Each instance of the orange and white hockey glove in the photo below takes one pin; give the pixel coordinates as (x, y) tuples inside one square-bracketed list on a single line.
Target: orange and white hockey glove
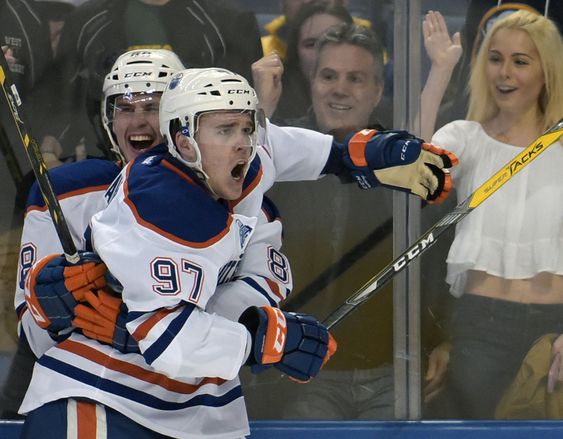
[(54, 287), (297, 344)]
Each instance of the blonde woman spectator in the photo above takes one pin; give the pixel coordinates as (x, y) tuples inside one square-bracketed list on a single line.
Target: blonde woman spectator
[(506, 262)]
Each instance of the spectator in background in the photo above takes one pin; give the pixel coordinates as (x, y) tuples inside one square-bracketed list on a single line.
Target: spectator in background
[(279, 28), (505, 266), (29, 37), (54, 13), (312, 20), (346, 79), (25, 42), (346, 86), (480, 16), (202, 32)]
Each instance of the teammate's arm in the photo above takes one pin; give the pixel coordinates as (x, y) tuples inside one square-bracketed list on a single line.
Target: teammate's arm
[(395, 159)]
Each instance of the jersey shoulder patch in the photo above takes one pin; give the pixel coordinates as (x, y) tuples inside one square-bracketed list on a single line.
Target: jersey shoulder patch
[(165, 197), (76, 178)]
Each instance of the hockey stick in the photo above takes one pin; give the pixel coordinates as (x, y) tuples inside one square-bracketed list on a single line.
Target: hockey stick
[(460, 211), (329, 275), (18, 132)]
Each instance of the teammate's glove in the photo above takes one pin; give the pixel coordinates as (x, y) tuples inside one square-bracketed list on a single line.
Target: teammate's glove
[(398, 160), (103, 318), (53, 288), (296, 344)]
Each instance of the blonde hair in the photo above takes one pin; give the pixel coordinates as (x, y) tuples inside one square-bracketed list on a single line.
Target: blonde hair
[(545, 36)]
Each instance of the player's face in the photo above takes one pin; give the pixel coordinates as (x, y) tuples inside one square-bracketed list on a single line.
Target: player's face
[(224, 139), (344, 91), (311, 30), (135, 123), (514, 71)]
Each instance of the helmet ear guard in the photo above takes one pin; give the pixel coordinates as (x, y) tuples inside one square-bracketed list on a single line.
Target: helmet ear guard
[(136, 71), (194, 92)]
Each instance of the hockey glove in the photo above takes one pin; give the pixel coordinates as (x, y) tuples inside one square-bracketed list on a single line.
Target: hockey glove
[(398, 160), (103, 318), (53, 288), (296, 344)]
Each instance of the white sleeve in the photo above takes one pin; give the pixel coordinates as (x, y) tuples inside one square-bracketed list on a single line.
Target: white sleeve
[(187, 342), (38, 339), (298, 154), (39, 239)]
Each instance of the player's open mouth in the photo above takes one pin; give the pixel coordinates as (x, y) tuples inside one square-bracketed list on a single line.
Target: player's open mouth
[(238, 171), (141, 141)]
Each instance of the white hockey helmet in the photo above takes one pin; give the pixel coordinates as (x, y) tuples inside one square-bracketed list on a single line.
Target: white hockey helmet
[(193, 92), (136, 71)]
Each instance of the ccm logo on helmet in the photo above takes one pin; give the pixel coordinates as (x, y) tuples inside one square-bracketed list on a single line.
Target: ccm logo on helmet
[(137, 74), (238, 91)]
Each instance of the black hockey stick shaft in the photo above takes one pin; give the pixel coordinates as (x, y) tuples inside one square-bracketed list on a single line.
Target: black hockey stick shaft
[(18, 133), (483, 192)]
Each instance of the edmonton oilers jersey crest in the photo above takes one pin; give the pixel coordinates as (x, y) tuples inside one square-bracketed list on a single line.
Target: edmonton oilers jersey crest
[(244, 232)]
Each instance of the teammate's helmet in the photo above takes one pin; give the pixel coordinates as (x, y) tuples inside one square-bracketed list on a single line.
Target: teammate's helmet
[(136, 71), (193, 92)]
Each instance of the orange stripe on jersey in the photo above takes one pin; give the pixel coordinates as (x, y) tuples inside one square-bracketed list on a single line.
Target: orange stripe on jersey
[(275, 288), (144, 328), (166, 234), (135, 371), (248, 189), (357, 146), (176, 171), (86, 420), (100, 188)]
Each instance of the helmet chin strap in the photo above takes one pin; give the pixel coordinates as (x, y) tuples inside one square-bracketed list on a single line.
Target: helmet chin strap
[(197, 166)]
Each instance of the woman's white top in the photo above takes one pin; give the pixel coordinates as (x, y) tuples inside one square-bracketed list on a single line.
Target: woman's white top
[(517, 232)]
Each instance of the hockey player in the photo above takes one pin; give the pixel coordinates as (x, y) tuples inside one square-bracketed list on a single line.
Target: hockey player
[(131, 96), (136, 81), (179, 257)]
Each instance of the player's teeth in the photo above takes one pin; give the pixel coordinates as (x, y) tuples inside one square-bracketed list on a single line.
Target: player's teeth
[(139, 138)]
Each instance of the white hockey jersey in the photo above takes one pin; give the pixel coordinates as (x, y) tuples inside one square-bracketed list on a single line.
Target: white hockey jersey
[(185, 384), (80, 189)]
